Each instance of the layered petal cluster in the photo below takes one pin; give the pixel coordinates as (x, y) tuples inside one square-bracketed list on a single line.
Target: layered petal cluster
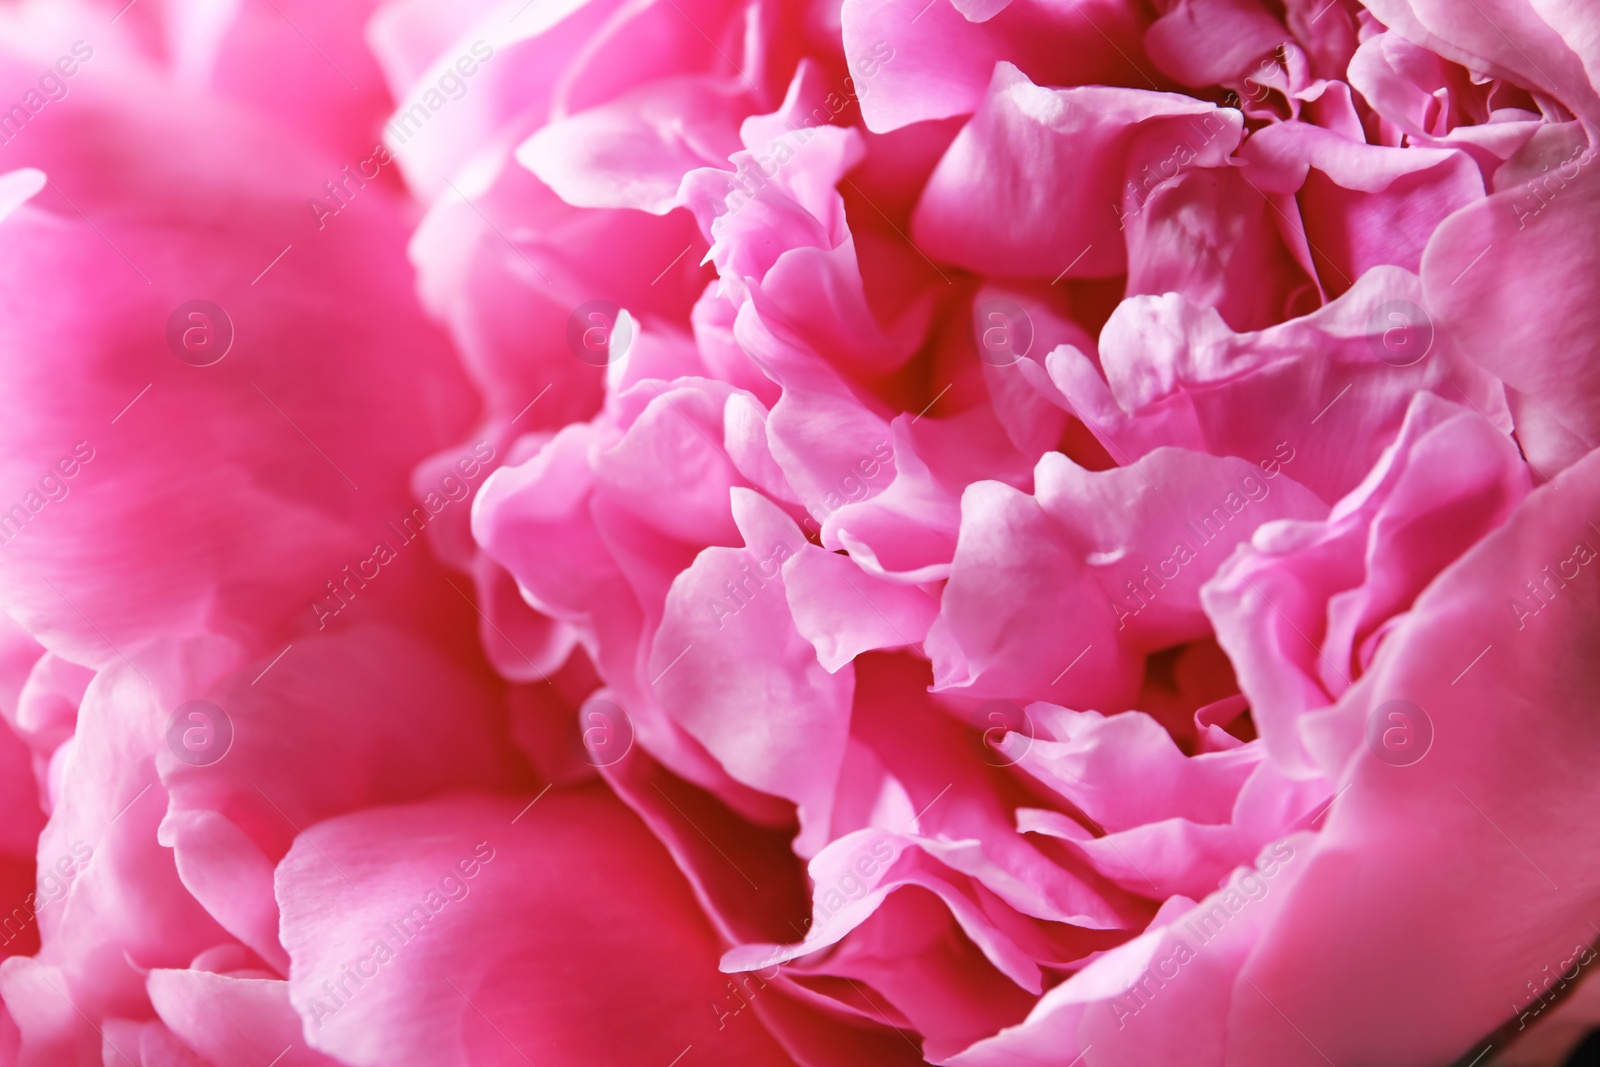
[(1044, 518), (798, 532)]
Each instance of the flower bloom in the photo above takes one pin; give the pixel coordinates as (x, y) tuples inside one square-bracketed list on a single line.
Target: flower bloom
[(988, 533)]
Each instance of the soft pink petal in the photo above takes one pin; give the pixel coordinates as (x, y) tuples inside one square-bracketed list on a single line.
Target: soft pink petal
[(1464, 838), (728, 643), (1527, 242), (1062, 157)]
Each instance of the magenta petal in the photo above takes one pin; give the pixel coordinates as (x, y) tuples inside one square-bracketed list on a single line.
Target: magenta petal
[(493, 933)]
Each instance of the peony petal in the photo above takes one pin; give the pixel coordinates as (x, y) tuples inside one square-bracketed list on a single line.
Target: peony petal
[(728, 643), (1053, 147), (1399, 869), (1485, 263), (495, 933), (634, 151)]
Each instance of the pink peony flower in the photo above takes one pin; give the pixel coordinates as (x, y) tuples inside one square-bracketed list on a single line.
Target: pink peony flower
[(988, 533)]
